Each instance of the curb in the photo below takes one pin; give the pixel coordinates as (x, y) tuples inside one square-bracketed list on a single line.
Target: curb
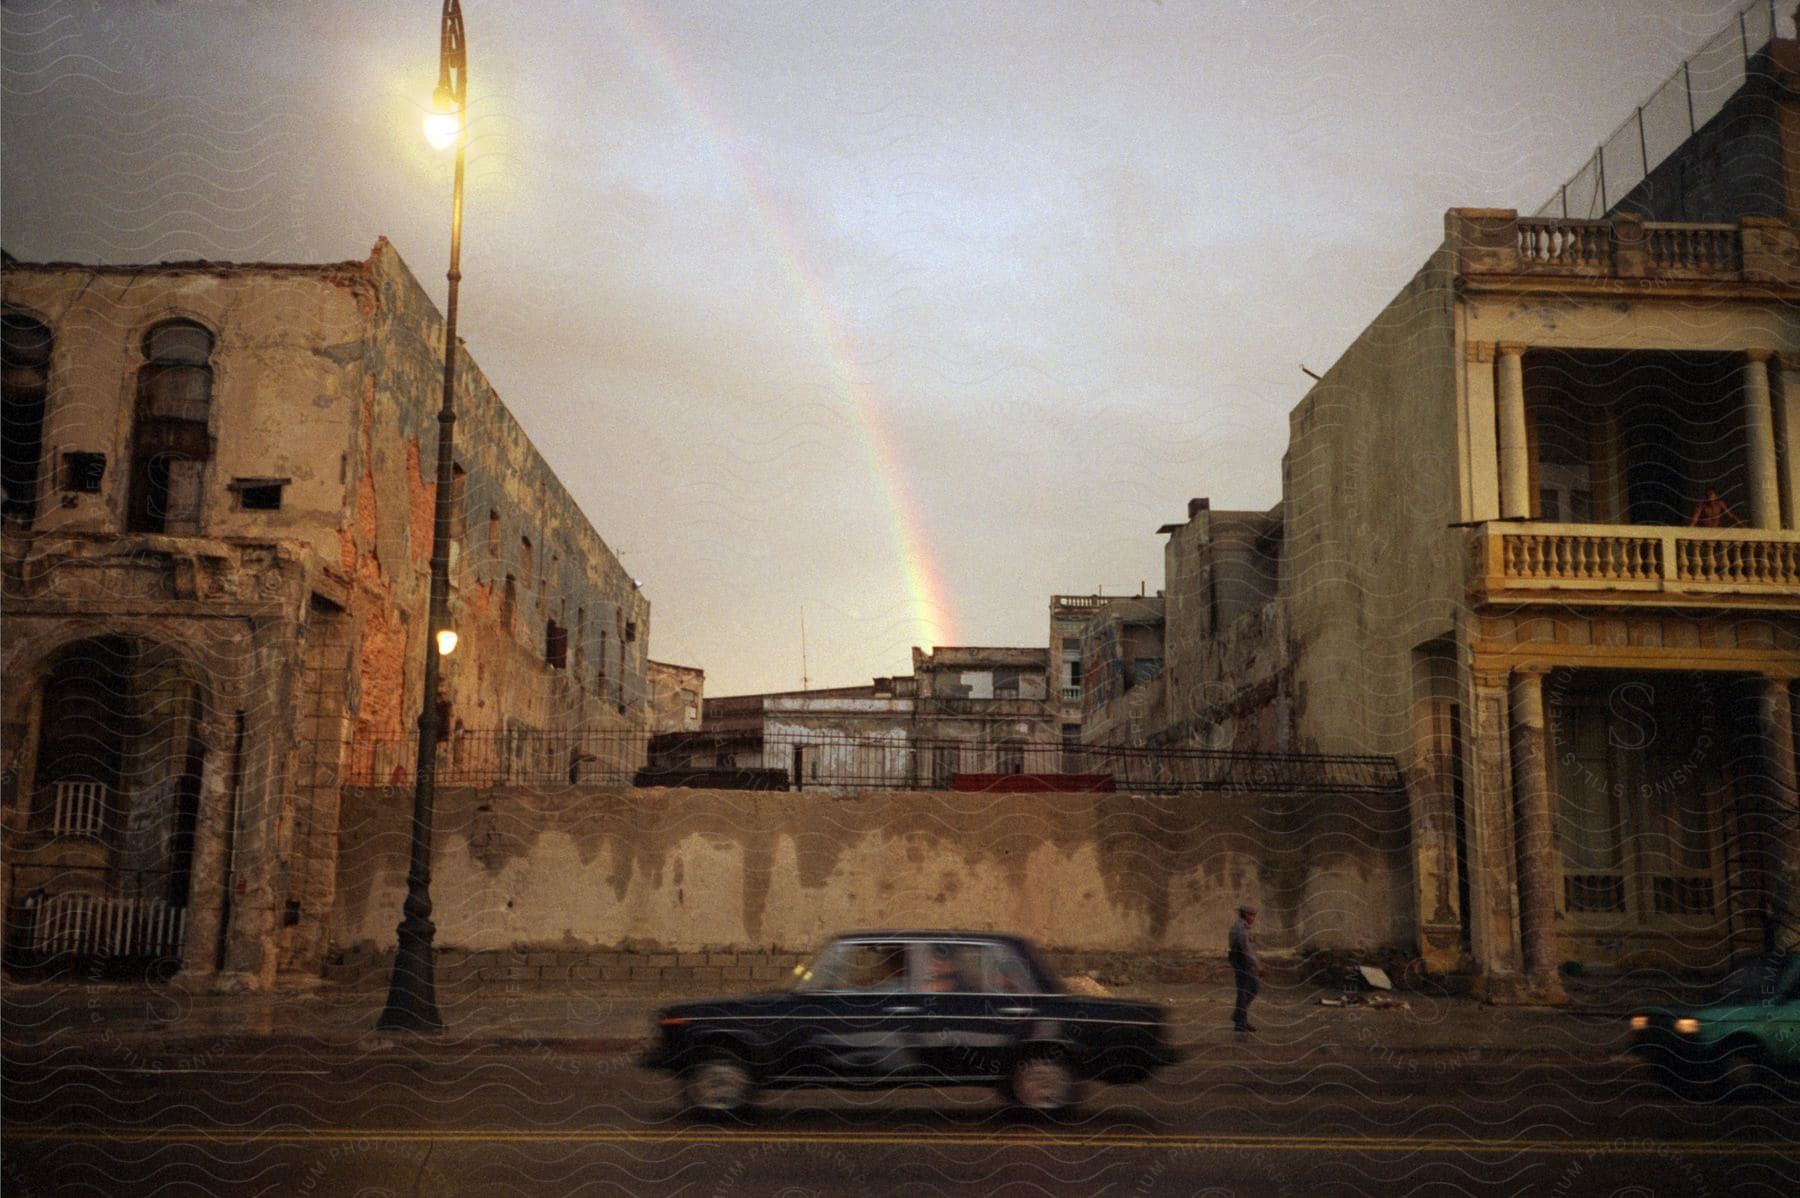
[(387, 1045)]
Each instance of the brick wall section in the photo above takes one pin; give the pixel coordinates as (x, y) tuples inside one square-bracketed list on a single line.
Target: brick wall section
[(705, 972)]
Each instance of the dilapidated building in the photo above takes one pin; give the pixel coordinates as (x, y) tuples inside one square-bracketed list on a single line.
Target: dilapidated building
[(1539, 541), (219, 487), (964, 711), (1123, 698), (676, 695)]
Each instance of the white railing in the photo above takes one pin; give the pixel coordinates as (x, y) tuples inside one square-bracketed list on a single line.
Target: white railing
[(1575, 557), (82, 924), (1071, 694), (78, 809), (1738, 560), (1555, 242)]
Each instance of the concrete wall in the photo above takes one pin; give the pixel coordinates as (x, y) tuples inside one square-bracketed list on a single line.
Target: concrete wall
[(677, 694), (1225, 649), (517, 521), (1369, 490), (689, 871)]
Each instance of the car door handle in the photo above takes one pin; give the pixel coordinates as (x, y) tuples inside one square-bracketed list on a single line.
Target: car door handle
[(902, 1010), (1015, 1010)]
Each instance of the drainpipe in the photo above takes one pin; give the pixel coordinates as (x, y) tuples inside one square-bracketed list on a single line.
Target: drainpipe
[(232, 806)]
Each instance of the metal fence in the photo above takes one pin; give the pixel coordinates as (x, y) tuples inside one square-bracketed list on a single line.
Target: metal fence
[(91, 918), (1689, 98), (812, 760)]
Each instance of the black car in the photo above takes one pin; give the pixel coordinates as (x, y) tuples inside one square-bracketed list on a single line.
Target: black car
[(881, 1009)]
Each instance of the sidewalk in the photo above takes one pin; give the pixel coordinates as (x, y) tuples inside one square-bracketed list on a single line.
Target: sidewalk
[(162, 1022)]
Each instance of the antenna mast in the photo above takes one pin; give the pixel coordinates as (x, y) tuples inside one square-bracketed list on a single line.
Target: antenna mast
[(804, 684)]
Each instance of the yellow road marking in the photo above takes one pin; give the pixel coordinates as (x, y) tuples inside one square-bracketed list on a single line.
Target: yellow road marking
[(1046, 1140)]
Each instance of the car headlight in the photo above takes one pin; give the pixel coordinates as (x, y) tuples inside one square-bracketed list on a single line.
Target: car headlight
[(1687, 1027), (1639, 1022)]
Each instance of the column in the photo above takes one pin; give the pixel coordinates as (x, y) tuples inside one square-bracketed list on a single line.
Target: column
[(1515, 448), (1759, 434), (1775, 724), (1493, 930), (1481, 461), (1538, 867), (1787, 437)]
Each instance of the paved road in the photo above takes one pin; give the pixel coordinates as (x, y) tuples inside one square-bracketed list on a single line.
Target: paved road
[(276, 1122)]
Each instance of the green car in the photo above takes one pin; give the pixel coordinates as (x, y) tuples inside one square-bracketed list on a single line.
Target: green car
[(1749, 1037)]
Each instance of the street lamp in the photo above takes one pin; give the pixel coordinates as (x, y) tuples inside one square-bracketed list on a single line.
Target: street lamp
[(412, 994)]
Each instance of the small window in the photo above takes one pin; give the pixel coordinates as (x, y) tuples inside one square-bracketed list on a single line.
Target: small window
[(556, 645), (459, 509), (630, 631), (493, 533), (259, 494), (83, 472)]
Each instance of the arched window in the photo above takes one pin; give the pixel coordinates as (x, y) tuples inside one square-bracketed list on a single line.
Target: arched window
[(170, 442), (24, 385)]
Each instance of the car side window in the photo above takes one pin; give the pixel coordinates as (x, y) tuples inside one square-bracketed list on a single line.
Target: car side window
[(951, 968), (1003, 971), (875, 967)]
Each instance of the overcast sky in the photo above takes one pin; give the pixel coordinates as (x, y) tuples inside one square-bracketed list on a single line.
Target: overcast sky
[(907, 315)]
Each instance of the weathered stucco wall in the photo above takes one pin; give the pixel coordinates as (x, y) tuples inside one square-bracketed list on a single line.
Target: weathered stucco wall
[(686, 870), (526, 556), (1369, 487)]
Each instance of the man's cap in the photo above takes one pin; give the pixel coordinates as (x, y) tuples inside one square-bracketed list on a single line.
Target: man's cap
[(1247, 909)]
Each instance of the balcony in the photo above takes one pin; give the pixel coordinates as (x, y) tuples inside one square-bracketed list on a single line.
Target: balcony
[(1500, 242), (1634, 564)]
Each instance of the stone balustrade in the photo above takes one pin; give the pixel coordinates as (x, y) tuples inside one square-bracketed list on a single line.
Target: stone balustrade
[(1500, 242), (1607, 562)]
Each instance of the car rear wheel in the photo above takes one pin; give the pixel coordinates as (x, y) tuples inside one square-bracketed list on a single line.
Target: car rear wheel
[(718, 1084), (1043, 1084)]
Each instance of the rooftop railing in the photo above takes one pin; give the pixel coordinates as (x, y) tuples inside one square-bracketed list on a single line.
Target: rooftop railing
[(1501, 242)]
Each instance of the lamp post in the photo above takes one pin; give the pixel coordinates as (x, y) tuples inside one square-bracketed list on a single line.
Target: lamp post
[(412, 994)]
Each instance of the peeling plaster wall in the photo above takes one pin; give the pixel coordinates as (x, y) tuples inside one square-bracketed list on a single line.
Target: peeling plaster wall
[(689, 870), (328, 376), (500, 675)]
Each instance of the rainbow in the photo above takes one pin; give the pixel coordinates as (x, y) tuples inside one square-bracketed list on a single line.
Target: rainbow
[(661, 60)]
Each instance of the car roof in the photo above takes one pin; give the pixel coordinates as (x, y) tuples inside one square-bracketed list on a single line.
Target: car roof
[(911, 934)]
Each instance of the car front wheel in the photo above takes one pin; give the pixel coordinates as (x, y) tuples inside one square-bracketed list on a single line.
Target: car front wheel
[(719, 1084), (1043, 1084)]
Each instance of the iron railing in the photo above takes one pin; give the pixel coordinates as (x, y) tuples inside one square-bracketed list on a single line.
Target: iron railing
[(1690, 97), (816, 760)]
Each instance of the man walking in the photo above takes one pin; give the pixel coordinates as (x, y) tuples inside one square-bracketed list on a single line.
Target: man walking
[(1246, 966)]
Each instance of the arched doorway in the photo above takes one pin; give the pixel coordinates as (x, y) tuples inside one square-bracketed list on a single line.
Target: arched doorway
[(99, 878)]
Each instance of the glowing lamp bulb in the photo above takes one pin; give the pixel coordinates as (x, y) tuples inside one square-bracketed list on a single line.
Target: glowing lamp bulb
[(446, 641), (443, 122)]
